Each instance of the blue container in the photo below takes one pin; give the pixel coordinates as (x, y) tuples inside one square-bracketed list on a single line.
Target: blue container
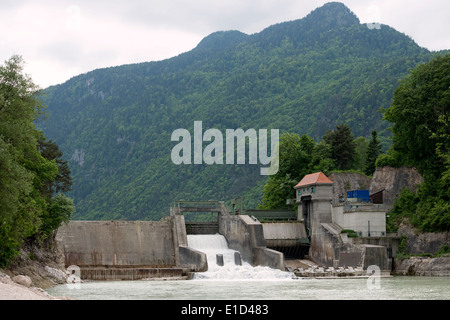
[(361, 195)]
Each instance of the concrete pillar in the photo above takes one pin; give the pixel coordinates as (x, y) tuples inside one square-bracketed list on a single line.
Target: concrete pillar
[(237, 259), (219, 260)]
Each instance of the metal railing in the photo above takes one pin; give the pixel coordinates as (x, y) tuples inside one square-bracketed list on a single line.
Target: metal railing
[(360, 206), (368, 234), (271, 214)]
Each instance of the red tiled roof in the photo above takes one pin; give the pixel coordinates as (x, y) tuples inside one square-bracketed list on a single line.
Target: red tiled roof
[(313, 178)]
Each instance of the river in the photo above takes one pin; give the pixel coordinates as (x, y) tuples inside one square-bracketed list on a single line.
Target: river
[(245, 282), (398, 287)]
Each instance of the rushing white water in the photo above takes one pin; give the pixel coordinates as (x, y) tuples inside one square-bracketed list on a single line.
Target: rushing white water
[(215, 244)]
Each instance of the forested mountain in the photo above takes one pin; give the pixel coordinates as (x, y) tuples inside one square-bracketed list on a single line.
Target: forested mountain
[(114, 125)]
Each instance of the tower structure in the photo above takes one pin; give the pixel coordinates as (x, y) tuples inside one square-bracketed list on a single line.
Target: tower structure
[(314, 195)]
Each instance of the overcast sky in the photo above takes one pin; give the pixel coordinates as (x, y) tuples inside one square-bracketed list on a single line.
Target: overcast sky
[(59, 39)]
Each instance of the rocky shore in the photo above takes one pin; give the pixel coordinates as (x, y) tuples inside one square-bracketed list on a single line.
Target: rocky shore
[(38, 267), (423, 266), (19, 288), (418, 244)]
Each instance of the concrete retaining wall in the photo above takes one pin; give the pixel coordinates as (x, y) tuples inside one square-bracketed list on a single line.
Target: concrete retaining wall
[(267, 257), (193, 259), (333, 249), (284, 233), (367, 218), (188, 258), (118, 243), (375, 255), (325, 245), (246, 236)]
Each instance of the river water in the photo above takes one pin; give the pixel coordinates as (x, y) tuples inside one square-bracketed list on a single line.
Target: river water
[(244, 282)]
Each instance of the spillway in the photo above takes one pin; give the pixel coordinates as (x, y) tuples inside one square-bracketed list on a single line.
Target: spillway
[(216, 244)]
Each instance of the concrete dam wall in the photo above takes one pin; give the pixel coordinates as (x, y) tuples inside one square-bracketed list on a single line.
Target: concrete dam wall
[(118, 243), (125, 250)]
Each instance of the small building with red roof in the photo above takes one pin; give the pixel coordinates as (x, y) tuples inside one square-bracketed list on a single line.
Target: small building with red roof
[(314, 185), (313, 196), (324, 222)]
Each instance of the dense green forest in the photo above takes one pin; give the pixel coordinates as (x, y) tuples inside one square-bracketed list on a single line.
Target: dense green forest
[(421, 138), (33, 175), (303, 77)]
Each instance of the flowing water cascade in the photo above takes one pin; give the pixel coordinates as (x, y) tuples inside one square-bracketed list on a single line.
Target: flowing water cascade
[(226, 264)]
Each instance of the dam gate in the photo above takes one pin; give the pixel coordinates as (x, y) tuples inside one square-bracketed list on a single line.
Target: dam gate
[(201, 217)]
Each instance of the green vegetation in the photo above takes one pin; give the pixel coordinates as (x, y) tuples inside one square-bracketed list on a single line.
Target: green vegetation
[(350, 233), (294, 158), (420, 117), (336, 152), (373, 152), (303, 77), (443, 250), (29, 173)]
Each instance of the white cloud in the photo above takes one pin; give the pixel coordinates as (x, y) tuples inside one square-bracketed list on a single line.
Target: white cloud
[(60, 39), (425, 21)]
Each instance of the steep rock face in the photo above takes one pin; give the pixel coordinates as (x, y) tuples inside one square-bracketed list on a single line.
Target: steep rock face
[(392, 180), (42, 263), (419, 266), (423, 242), (346, 181)]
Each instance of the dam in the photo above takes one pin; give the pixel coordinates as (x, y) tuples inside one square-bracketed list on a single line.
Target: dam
[(334, 236), (132, 250)]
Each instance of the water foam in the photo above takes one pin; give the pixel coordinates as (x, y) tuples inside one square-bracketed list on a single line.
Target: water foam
[(215, 244)]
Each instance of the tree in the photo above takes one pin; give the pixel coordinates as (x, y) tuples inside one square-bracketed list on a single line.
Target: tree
[(420, 114), (24, 171), (293, 155), (361, 153), (321, 158), (373, 151), (63, 181), (342, 146), (60, 208), (59, 211), (294, 159), (307, 144)]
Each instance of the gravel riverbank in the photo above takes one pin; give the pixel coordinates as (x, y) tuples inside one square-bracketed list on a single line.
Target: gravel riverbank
[(12, 290)]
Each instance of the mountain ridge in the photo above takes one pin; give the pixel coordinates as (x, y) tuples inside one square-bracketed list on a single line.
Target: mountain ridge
[(114, 124)]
